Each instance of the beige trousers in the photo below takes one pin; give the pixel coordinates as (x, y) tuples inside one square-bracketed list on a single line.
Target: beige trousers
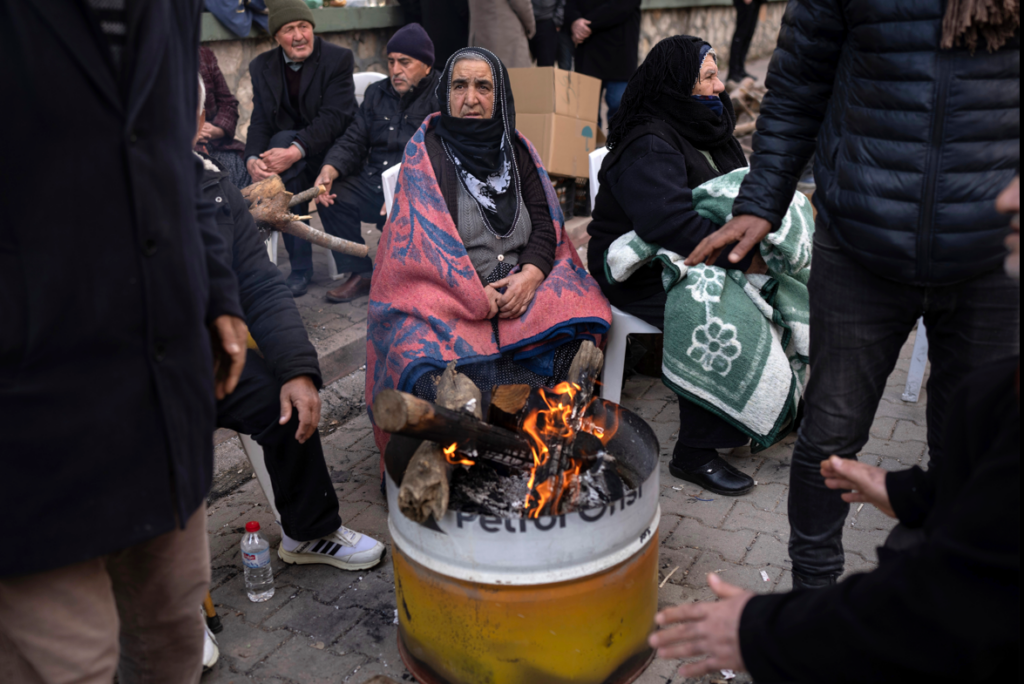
[(135, 611)]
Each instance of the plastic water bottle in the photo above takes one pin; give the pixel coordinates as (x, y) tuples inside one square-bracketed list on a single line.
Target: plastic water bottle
[(259, 576)]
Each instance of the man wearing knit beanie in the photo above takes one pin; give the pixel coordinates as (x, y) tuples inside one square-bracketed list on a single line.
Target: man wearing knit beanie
[(303, 100), (391, 112)]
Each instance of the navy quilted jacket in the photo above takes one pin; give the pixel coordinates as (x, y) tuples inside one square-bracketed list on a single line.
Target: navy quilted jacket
[(913, 142)]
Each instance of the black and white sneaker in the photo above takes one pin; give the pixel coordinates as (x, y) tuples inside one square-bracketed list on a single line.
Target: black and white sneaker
[(344, 548)]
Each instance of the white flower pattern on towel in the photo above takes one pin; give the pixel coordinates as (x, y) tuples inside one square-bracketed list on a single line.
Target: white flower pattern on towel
[(715, 346), (708, 282)]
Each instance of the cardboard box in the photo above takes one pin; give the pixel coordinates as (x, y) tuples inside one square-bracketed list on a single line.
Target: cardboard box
[(563, 142), (547, 90)]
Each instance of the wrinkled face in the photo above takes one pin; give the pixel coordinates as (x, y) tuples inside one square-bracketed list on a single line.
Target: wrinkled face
[(1009, 203), (405, 71), (472, 90), (296, 39), (709, 83)]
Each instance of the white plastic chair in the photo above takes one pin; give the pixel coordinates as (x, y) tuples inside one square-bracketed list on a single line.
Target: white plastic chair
[(259, 466), (272, 246), (623, 324), (362, 81), (918, 361), (389, 180)]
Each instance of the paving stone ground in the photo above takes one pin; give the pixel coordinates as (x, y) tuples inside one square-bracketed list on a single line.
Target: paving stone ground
[(324, 625)]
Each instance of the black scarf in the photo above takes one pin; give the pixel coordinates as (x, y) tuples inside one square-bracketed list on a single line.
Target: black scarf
[(481, 149), (660, 91)]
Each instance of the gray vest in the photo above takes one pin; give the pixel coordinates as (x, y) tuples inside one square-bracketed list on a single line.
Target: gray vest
[(485, 249)]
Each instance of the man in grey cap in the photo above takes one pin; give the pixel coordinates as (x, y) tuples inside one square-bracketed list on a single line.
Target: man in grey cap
[(303, 100)]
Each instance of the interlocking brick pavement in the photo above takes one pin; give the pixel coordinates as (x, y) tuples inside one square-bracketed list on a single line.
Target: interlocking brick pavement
[(325, 625)]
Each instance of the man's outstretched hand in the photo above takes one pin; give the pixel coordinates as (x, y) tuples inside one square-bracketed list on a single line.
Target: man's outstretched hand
[(227, 337), (301, 393), (867, 482), (704, 629), (745, 230)]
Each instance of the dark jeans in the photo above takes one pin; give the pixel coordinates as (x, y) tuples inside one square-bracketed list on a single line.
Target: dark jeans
[(303, 491), (746, 24), (359, 200), (544, 44), (859, 323), (698, 427), (613, 92)]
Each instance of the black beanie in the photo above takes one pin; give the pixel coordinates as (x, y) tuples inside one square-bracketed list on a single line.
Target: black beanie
[(413, 40)]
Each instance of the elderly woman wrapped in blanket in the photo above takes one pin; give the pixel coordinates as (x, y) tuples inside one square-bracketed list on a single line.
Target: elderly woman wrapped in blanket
[(473, 264)]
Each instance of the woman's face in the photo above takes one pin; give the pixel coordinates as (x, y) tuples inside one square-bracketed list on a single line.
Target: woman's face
[(472, 95), (709, 83)]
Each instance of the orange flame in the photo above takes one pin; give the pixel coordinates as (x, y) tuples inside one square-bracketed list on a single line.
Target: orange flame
[(451, 457), (549, 424)]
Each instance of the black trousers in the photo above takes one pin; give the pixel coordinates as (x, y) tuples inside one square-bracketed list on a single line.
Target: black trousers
[(746, 24), (303, 491), (698, 427), (359, 200), (859, 323), (544, 44)]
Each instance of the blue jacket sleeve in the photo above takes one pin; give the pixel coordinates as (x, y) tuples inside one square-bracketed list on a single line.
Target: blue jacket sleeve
[(800, 84)]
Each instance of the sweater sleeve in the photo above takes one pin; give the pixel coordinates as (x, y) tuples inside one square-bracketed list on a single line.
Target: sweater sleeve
[(650, 184), (540, 249)]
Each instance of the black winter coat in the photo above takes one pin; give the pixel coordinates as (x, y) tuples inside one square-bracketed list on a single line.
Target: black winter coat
[(913, 142), (270, 311), (106, 377), (383, 125), (945, 611), (327, 101), (612, 51), (447, 24)]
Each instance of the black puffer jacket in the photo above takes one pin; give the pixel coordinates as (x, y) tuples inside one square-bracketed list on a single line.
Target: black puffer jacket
[(385, 122), (913, 142), (270, 311)]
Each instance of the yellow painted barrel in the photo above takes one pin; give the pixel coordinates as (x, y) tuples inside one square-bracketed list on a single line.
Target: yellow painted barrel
[(566, 599), (592, 630)]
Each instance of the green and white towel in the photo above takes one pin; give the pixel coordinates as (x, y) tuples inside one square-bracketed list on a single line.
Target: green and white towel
[(735, 344)]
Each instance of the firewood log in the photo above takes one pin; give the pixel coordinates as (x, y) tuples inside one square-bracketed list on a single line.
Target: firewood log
[(507, 404), (270, 203), (425, 485)]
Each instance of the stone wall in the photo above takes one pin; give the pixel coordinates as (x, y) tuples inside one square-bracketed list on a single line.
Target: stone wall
[(234, 57), (713, 24)]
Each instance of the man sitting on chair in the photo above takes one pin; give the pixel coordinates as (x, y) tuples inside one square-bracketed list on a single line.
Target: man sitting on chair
[(277, 400), (391, 112)]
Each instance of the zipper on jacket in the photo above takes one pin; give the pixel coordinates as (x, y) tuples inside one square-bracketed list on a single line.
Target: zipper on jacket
[(931, 183)]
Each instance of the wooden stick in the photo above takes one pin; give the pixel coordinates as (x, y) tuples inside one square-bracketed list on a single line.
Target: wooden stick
[(425, 486), (307, 196), (507, 404), (321, 238), (403, 414)]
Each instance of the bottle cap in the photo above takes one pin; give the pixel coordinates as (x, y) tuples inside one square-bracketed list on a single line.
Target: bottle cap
[(252, 526)]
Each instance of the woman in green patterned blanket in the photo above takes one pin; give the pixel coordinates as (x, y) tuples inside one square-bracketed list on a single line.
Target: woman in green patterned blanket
[(673, 132)]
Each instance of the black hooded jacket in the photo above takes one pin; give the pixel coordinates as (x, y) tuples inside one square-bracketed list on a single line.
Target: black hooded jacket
[(385, 122), (270, 312), (913, 142)]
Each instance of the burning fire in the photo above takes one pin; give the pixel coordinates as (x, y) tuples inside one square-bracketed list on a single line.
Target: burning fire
[(552, 425), (452, 457)]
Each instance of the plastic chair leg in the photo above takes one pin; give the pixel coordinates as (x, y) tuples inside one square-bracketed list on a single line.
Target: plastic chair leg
[(614, 364), (259, 466), (918, 361)]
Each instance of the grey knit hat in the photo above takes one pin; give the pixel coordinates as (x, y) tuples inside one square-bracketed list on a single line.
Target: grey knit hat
[(286, 11)]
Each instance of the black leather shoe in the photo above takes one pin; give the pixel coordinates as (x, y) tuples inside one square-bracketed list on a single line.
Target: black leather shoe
[(715, 476), (298, 282), (807, 582)]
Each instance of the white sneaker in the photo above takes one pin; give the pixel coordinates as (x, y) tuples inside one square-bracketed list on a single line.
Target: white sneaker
[(210, 650), (343, 548)]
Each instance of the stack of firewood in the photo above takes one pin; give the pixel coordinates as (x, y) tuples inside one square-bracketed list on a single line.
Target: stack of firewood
[(746, 100)]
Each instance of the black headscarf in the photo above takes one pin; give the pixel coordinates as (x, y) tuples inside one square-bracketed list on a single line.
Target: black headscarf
[(661, 90), (481, 149)]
